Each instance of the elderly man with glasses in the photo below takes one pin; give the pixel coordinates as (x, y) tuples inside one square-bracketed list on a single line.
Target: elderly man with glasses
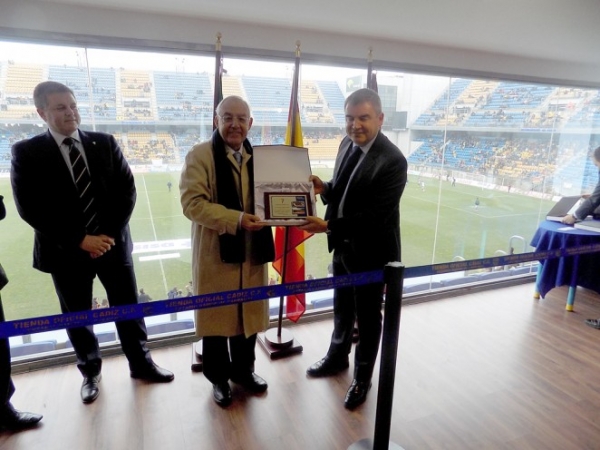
[(231, 248)]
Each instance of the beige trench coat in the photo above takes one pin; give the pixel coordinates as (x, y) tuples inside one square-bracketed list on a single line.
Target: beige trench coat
[(210, 219)]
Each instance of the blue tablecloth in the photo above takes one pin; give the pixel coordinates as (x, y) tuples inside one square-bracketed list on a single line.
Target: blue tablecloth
[(581, 270)]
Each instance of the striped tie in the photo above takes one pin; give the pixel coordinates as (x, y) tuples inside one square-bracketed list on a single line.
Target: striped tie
[(83, 181)]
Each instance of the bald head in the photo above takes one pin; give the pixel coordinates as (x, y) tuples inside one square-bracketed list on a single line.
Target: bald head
[(233, 120)]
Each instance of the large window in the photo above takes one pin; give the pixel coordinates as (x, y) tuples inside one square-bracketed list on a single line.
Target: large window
[(487, 158)]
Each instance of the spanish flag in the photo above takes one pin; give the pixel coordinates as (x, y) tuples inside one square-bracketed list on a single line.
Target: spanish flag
[(290, 265)]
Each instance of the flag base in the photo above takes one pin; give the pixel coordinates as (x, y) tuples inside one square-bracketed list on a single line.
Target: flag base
[(279, 346), (279, 340), (197, 356), (367, 444)]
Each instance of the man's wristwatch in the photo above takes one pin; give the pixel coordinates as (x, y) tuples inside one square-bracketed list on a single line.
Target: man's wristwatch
[(328, 231)]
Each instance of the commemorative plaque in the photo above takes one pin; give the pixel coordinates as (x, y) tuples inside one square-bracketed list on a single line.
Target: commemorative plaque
[(282, 193)]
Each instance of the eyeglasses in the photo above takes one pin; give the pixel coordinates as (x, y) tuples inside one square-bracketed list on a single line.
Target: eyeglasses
[(229, 119)]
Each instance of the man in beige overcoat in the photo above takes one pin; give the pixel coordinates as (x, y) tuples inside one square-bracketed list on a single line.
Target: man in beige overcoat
[(230, 248)]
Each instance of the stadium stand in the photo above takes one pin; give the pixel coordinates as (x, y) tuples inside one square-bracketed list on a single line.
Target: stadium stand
[(170, 327), (103, 336), (183, 96), (232, 86), (32, 348), (159, 115)]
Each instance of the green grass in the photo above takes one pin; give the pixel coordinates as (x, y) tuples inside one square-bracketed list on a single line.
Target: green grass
[(463, 230)]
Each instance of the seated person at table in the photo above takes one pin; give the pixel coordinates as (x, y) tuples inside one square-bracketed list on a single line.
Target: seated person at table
[(587, 207), (591, 202)]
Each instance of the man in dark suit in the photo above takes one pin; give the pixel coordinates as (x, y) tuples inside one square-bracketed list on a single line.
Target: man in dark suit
[(362, 223), (82, 229), (10, 418)]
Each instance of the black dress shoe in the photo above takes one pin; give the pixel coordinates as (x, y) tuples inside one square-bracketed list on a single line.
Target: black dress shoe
[(153, 373), (90, 389), (222, 394), (357, 394), (252, 383), (327, 367), (13, 420)]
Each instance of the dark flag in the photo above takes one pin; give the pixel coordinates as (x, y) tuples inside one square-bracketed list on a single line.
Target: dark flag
[(371, 76), (218, 77)]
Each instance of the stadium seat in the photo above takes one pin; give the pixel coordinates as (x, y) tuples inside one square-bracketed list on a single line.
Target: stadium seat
[(492, 275), (103, 336), (32, 348), (420, 287), (459, 281), (170, 327), (323, 303), (522, 270)]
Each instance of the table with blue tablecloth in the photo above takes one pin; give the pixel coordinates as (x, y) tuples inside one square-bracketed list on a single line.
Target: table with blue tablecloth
[(578, 270)]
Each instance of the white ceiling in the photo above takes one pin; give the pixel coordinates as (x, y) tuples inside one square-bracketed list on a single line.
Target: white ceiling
[(557, 30)]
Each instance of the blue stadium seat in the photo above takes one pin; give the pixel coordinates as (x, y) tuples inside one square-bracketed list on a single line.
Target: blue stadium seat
[(492, 275), (459, 281), (421, 287), (103, 336), (170, 327), (323, 303), (32, 348), (522, 270)]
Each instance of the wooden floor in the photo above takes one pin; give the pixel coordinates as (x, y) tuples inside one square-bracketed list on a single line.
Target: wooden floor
[(492, 370)]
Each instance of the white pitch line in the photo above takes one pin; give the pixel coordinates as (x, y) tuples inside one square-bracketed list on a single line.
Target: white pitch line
[(162, 268)]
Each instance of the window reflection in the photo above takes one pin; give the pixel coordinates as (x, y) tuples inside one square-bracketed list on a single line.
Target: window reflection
[(487, 158)]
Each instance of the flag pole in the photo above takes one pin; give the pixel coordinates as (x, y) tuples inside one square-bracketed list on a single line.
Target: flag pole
[(293, 131), (294, 106), (218, 96), (370, 68), (280, 342)]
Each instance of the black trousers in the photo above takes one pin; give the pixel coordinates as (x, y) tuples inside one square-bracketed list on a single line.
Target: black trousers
[(360, 305), (73, 285), (227, 357), (7, 388)]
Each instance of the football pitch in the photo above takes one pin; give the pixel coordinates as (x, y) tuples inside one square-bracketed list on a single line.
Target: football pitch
[(438, 223)]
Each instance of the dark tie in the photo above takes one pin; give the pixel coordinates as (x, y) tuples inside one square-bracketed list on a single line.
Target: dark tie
[(83, 182), (346, 168), (340, 182)]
